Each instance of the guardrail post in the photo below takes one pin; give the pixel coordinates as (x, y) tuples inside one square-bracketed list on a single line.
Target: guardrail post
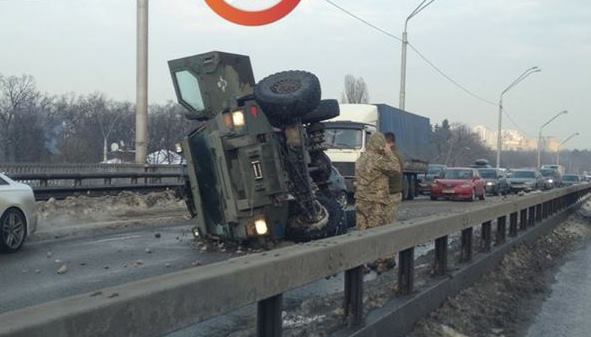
[(538, 212), (43, 182), (531, 216), (467, 245), (269, 320), (523, 220), (501, 230), (406, 271), (485, 236), (78, 182), (513, 224), (440, 266), (107, 181), (354, 296)]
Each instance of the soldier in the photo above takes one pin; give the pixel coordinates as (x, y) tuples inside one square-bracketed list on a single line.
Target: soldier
[(372, 174), (396, 180)]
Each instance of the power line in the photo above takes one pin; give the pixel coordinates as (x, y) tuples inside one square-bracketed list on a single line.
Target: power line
[(515, 124), (381, 30), (423, 57)]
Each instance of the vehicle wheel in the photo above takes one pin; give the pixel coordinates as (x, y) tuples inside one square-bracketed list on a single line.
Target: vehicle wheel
[(336, 224), (327, 109), (433, 198), (288, 95), (342, 198), (13, 230)]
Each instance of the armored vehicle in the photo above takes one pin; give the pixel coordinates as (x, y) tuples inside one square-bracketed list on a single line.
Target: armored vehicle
[(256, 164)]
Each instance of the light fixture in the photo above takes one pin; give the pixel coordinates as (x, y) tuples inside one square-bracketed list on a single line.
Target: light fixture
[(238, 118), (260, 226)]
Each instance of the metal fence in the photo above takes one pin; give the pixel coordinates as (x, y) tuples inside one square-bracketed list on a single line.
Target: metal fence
[(162, 304), (86, 168)]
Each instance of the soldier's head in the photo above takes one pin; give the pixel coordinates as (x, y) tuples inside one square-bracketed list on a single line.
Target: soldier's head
[(390, 139), (376, 143)]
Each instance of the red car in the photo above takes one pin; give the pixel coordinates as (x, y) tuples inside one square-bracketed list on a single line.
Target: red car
[(459, 183)]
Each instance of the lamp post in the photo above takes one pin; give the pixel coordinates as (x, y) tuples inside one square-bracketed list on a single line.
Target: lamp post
[(560, 145), (417, 10), (521, 77), (564, 112)]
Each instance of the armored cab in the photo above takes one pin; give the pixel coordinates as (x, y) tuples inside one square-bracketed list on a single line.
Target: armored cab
[(255, 165)]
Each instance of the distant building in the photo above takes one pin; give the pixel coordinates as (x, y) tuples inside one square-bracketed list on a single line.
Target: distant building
[(513, 140)]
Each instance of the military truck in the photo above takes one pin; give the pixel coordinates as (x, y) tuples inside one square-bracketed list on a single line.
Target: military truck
[(256, 163)]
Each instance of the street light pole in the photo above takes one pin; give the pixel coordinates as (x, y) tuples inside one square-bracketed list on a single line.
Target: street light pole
[(521, 77), (141, 107), (540, 135), (417, 10), (560, 145)]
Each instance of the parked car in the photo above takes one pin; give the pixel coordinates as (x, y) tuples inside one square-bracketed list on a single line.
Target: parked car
[(434, 171), (338, 187), (526, 180), (459, 183), (17, 214), (552, 178), (571, 179), (495, 181)]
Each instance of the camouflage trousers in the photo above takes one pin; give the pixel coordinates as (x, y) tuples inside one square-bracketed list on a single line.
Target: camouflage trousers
[(371, 214), (393, 204)]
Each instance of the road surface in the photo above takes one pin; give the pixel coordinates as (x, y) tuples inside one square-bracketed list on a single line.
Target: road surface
[(110, 258), (566, 313)]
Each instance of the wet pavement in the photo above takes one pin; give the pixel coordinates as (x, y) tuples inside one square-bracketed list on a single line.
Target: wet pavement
[(567, 312)]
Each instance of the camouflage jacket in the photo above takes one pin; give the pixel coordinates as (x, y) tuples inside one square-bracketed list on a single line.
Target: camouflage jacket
[(396, 180), (373, 170)]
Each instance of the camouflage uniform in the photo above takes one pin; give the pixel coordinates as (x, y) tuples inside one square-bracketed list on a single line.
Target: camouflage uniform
[(372, 172), (395, 188)]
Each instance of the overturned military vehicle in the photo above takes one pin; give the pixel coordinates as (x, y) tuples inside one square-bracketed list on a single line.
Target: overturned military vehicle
[(256, 164)]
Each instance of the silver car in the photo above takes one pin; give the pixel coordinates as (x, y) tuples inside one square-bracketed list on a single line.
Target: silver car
[(17, 214)]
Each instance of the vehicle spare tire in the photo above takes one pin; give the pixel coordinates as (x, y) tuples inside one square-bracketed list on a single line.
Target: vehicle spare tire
[(288, 95), (327, 109), (336, 225)]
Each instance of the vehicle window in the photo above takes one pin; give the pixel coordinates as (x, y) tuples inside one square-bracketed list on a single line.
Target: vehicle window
[(458, 174), (570, 178), (524, 174), (488, 174), (343, 139), (189, 89), (548, 172)]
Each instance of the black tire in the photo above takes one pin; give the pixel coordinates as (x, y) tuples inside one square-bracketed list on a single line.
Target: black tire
[(327, 109), (288, 95), (433, 198), (336, 225), (8, 242)]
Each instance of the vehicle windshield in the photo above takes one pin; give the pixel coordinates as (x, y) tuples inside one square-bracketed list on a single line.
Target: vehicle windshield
[(524, 174), (570, 178), (343, 139), (458, 174), (548, 172), (488, 174), (435, 170)]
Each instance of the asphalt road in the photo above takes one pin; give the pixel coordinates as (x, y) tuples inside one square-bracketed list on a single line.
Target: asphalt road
[(566, 311), (110, 258)]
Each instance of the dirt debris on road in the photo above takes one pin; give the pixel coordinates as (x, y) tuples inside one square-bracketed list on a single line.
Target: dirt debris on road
[(504, 300)]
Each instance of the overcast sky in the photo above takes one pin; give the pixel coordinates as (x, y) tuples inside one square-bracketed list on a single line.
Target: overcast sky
[(84, 46)]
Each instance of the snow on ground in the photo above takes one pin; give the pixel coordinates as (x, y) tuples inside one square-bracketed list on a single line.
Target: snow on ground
[(77, 210)]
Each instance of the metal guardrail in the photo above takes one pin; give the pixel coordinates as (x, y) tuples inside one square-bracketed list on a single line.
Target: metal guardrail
[(162, 304), (60, 185)]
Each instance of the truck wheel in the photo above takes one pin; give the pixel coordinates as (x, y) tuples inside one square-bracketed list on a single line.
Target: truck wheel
[(411, 187), (336, 224), (288, 95), (327, 109)]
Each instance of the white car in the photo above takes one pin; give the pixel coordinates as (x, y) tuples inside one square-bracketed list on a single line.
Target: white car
[(17, 214)]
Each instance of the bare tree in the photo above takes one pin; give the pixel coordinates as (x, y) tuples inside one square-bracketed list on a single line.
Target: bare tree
[(355, 90)]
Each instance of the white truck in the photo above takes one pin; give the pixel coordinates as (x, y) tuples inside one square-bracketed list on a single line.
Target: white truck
[(347, 136)]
